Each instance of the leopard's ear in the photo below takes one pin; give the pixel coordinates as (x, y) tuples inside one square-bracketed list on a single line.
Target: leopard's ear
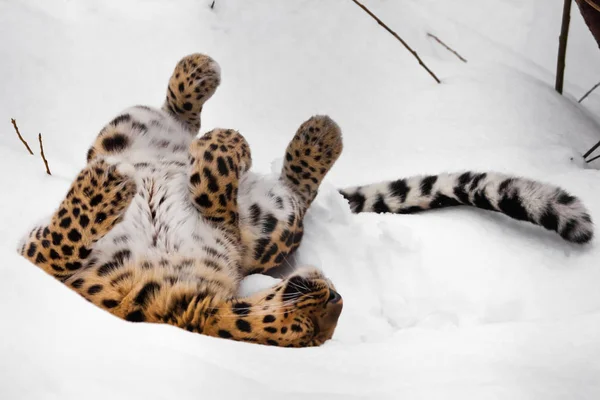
[(194, 81)]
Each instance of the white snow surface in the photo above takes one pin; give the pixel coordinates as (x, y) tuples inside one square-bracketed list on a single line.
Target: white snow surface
[(450, 304)]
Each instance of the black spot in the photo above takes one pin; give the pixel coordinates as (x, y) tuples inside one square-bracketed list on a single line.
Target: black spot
[(243, 325), (270, 329), (255, 213), (56, 238), (74, 266), (356, 200), (195, 179), (84, 221), (135, 316), (270, 224), (399, 189), (96, 200), (109, 303), (476, 180), (94, 289), (565, 198), (480, 200), (67, 250), (463, 196), (45, 243), (84, 253), (74, 235), (270, 297), (269, 318), (380, 207), (242, 308), (115, 143), (224, 334), (222, 166), (77, 283), (549, 219), (203, 201), (442, 201), (212, 185), (505, 184), (65, 222), (513, 207), (121, 119), (270, 253), (427, 185), (296, 328), (187, 106), (107, 268), (409, 210), (567, 231), (208, 156), (100, 217), (54, 254), (40, 258), (261, 245), (121, 256), (284, 329), (145, 292), (31, 250), (272, 342)]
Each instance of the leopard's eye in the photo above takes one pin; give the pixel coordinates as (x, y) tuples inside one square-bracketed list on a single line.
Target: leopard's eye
[(334, 296)]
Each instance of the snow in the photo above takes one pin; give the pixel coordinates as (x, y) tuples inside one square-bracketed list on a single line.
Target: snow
[(455, 303)]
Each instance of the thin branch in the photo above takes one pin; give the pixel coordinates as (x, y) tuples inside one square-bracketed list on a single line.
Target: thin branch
[(592, 159), (414, 53), (590, 151), (213, 4), (43, 156), (589, 92), (562, 47), (21, 137), (450, 49)]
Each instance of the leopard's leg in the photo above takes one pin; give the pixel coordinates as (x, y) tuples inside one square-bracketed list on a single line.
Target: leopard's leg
[(96, 201), (301, 311), (194, 81), (274, 227), (217, 160)]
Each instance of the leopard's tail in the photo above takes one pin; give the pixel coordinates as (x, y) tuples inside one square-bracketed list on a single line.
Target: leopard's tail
[(519, 198)]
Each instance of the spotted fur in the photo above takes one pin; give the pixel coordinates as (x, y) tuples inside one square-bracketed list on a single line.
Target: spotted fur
[(522, 199), (161, 227)]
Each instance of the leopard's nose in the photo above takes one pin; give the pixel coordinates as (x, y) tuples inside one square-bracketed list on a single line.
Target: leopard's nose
[(334, 297)]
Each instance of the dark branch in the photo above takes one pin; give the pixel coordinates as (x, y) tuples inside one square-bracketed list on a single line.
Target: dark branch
[(562, 47), (450, 49), (21, 137), (43, 156), (414, 53)]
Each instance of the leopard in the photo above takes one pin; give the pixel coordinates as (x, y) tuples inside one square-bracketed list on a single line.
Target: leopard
[(161, 226)]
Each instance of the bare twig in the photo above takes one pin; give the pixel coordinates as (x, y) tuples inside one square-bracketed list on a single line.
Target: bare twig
[(592, 159), (414, 53), (590, 151), (43, 156), (589, 92), (562, 47), (21, 137), (213, 4), (450, 49)]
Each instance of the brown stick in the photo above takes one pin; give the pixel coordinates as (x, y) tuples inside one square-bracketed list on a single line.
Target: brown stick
[(21, 137), (43, 156), (562, 47), (450, 49), (589, 92), (414, 53)]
